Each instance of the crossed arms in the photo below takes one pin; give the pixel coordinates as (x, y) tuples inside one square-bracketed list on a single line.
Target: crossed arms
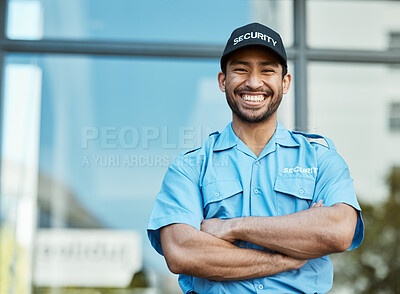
[(209, 253)]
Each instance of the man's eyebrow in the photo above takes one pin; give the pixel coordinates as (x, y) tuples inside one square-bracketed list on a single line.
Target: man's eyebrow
[(262, 63), (238, 62), (267, 63)]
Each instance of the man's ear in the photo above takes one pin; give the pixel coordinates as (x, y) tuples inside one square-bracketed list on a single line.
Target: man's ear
[(221, 81), (286, 83)]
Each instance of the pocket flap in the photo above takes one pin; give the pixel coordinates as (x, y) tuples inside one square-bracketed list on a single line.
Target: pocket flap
[(221, 190), (300, 187)]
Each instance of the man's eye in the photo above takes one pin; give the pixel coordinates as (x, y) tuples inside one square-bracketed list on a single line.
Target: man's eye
[(240, 69), (268, 70)]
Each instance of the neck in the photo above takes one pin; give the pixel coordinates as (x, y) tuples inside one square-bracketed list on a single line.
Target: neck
[(255, 135)]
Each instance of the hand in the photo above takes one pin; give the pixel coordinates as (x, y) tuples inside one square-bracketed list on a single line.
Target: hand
[(317, 204), (218, 228)]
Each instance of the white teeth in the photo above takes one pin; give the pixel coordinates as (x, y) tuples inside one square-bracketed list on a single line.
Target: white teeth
[(253, 98)]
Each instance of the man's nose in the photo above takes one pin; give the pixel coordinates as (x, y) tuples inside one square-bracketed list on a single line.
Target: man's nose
[(254, 81)]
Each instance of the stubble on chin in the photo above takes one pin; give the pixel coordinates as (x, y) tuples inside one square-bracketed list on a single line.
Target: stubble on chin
[(251, 116)]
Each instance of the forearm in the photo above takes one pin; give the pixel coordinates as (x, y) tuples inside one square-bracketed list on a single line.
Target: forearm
[(194, 253), (307, 234)]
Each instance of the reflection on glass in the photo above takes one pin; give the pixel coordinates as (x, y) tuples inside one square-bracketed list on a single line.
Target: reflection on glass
[(363, 25), (25, 20), (86, 258), (19, 173), (109, 129), (144, 21)]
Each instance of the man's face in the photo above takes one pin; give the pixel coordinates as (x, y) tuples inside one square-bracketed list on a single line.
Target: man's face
[(253, 84)]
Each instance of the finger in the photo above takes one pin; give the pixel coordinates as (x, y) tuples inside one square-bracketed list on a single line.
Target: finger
[(317, 204)]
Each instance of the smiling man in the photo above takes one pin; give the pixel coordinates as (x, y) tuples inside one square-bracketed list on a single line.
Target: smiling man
[(266, 221)]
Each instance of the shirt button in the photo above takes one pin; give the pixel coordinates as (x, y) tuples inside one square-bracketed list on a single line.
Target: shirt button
[(257, 162), (216, 194), (301, 191), (260, 287), (256, 191)]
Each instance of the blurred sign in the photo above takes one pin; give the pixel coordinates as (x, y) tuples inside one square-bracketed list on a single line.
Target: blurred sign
[(86, 258)]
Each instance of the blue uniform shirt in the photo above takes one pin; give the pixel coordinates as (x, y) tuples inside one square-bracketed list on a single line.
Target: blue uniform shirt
[(224, 179)]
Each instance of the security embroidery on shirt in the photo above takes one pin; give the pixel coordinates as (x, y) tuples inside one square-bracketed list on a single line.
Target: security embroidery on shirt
[(298, 169)]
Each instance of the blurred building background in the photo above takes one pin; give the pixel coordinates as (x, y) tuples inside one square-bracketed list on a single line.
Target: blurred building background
[(98, 97)]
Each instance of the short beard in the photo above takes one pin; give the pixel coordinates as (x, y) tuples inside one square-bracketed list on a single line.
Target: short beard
[(252, 118)]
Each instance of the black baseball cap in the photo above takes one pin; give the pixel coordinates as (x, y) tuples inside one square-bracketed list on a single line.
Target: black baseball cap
[(254, 34)]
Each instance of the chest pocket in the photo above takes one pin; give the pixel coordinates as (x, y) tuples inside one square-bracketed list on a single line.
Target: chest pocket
[(293, 194), (223, 199)]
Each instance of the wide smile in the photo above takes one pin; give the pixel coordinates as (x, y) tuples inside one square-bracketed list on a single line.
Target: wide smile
[(253, 99)]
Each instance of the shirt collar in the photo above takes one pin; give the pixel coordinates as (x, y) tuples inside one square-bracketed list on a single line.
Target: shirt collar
[(284, 137), (227, 139)]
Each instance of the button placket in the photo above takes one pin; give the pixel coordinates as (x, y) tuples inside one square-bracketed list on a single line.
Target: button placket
[(257, 163)]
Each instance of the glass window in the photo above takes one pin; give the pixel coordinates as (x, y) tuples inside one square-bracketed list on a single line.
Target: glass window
[(363, 25), (109, 128), (87, 140), (106, 131), (143, 21), (19, 173), (349, 104)]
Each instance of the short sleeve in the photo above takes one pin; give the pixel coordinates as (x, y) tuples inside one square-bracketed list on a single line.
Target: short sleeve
[(179, 201), (185, 282), (334, 185)]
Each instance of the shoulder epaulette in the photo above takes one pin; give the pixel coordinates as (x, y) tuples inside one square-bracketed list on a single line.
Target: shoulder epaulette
[(315, 138), (191, 150), (197, 148), (213, 133)]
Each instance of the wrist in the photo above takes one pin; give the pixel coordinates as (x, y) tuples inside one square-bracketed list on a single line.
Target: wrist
[(234, 228), (293, 263)]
